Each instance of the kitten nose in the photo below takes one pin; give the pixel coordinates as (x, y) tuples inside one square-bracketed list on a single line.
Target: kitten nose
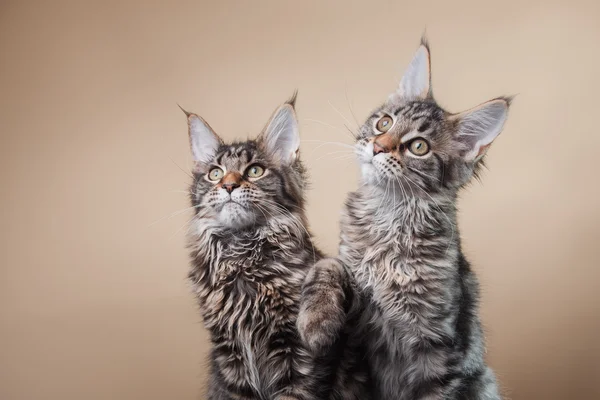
[(231, 181), (230, 186), (377, 148), (383, 144)]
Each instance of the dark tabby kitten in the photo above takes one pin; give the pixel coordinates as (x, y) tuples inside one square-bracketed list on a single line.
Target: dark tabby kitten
[(250, 255), (401, 244)]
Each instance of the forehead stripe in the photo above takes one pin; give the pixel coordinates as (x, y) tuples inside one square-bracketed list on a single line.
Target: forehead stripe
[(407, 136), (424, 126), (402, 107)]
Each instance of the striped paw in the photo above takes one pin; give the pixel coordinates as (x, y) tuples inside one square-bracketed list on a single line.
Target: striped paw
[(322, 315)]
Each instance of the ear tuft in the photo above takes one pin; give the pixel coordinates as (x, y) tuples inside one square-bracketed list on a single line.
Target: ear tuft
[(292, 100), (204, 142), (425, 41), (507, 99), (416, 82), (281, 137), (480, 126), (187, 113)]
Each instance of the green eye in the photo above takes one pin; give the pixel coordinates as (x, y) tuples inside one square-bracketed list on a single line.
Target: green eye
[(255, 171), (215, 174), (419, 147)]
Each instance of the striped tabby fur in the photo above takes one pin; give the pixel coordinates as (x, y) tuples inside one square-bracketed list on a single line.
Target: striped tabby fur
[(250, 254), (400, 242)]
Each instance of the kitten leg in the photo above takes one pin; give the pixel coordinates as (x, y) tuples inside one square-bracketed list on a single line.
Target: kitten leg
[(322, 315), (217, 391), (480, 385), (291, 396)]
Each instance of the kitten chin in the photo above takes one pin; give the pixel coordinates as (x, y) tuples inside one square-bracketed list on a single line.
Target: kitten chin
[(236, 216), (369, 173)]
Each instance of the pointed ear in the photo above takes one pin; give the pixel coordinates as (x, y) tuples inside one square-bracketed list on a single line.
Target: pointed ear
[(204, 142), (416, 82), (479, 126), (281, 137)]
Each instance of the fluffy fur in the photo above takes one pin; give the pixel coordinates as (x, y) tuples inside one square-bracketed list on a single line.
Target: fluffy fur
[(250, 254), (418, 312)]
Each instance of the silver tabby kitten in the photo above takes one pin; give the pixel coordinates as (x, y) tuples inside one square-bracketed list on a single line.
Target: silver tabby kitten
[(400, 242), (250, 254)]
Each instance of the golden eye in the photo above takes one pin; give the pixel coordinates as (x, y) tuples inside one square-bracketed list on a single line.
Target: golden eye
[(215, 174), (419, 147), (384, 124), (255, 171)]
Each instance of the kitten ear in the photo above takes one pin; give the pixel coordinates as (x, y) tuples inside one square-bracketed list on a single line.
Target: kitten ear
[(281, 137), (204, 142), (479, 126), (416, 82)]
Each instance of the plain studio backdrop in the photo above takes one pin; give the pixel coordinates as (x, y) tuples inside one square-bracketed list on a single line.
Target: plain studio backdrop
[(94, 302)]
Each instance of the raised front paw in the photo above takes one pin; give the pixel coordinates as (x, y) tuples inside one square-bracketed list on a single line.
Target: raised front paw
[(322, 315)]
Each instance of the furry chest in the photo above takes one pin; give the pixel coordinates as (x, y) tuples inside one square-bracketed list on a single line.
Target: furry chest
[(248, 299), (409, 295), (252, 323)]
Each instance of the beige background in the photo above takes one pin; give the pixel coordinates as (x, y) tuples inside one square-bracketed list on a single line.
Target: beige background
[(93, 298)]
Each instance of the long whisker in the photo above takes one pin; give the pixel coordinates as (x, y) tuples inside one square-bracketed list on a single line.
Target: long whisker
[(387, 184), (416, 171), (347, 157), (266, 200), (324, 144), (442, 211), (340, 114), (174, 214), (282, 211), (345, 152), (261, 210), (182, 170), (351, 134), (328, 142), (350, 105), (187, 223)]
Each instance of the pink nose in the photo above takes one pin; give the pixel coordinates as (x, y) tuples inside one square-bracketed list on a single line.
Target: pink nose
[(230, 186), (377, 148)]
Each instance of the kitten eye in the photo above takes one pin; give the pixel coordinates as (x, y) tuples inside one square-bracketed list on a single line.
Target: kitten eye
[(255, 171), (384, 124), (215, 174), (419, 147)]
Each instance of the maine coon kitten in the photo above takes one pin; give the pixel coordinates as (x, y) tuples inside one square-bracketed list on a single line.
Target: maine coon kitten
[(250, 254), (401, 244)]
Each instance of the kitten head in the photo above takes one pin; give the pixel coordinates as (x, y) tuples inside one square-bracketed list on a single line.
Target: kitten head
[(244, 184), (411, 143)]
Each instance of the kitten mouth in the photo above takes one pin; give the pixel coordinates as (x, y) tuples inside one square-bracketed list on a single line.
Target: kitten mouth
[(231, 203)]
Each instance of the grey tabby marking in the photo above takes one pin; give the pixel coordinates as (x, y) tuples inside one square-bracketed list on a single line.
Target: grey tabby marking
[(327, 323), (250, 254), (400, 241)]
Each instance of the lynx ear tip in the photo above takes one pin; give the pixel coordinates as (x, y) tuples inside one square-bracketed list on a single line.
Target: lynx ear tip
[(508, 99), (187, 113), (292, 100), (425, 40)]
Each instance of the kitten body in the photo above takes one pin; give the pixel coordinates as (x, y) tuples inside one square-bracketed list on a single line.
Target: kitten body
[(250, 254), (418, 295)]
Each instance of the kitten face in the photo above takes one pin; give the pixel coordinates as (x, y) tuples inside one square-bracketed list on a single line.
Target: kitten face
[(411, 144), (247, 183), (242, 186)]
